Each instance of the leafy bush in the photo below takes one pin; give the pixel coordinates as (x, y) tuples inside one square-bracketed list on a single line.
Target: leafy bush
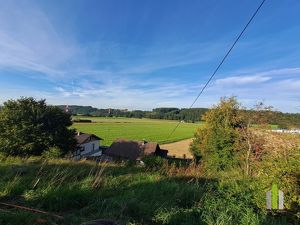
[(52, 153), (2, 156), (217, 142), (154, 162)]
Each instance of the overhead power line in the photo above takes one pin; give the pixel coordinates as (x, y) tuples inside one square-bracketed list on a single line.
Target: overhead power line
[(222, 61)]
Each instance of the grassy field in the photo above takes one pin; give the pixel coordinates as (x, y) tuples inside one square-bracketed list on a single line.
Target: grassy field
[(136, 129), (83, 191)]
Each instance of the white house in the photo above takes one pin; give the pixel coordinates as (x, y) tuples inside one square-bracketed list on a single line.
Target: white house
[(88, 145)]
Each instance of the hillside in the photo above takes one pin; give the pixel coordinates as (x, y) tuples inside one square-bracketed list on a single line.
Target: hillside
[(83, 191), (235, 166)]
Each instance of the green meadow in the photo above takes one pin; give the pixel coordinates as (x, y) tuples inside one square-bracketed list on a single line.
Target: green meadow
[(159, 131)]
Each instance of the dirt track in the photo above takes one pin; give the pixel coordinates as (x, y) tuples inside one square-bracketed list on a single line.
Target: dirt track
[(179, 148)]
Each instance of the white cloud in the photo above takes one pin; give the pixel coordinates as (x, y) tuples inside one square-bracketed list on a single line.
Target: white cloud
[(290, 85), (246, 78), (279, 88), (242, 80), (281, 72), (128, 93), (148, 93)]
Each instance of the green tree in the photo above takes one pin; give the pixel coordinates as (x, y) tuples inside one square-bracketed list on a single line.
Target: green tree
[(29, 127), (217, 142)]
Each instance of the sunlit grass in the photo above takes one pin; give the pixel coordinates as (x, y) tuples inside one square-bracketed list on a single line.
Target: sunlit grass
[(83, 191), (137, 129)]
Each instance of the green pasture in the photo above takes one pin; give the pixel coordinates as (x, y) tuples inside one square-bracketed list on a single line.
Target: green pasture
[(136, 129)]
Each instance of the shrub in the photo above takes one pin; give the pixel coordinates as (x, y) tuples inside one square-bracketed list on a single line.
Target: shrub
[(52, 153), (82, 121), (217, 142), (2, 157), (154, 162)]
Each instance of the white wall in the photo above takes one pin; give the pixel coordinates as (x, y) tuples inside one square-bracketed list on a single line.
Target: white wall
[(88, 147)]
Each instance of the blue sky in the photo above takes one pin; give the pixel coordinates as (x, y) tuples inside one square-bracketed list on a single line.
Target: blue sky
[(145, 54)]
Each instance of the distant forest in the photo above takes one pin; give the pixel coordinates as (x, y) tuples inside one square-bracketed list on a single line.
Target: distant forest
[(188, 115), (283, 120)]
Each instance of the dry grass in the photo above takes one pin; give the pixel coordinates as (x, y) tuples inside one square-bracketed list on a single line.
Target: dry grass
[(179, 148), (277, 143)]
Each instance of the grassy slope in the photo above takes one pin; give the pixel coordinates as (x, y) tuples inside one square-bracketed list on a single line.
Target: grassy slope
[(82, 191), (137, 129)]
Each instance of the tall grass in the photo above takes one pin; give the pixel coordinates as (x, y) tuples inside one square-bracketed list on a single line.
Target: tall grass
[(82, 191)]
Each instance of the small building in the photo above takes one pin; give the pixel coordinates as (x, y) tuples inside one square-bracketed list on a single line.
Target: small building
[(88, 145), (134, 150)]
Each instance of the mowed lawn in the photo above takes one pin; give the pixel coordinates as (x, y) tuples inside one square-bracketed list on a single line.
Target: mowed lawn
[(136, 129)]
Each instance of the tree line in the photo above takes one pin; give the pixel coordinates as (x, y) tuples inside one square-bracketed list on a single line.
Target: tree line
[(188, 115), (283, 120)]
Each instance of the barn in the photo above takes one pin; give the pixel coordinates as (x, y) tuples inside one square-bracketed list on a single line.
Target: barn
[(134, 150)]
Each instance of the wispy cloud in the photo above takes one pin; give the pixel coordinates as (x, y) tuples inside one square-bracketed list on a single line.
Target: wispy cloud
[(276, 87), (242, 80), (110, 74), (28, 40), (129, 93)]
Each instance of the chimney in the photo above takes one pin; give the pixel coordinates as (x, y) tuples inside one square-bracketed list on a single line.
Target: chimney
[(78, 133)]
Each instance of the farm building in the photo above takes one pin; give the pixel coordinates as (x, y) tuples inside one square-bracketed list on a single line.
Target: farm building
[(134, 150), (88, 145)]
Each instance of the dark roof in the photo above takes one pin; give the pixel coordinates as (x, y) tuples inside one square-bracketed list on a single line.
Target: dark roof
[(150, 148), (84, 138), (132, 150)]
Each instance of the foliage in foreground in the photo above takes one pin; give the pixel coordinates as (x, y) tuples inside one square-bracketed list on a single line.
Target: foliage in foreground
[(82, 191), (228, 142)]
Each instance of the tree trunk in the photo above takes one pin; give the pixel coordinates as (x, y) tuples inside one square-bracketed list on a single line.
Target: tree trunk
[(249, 149), (248, 156)]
